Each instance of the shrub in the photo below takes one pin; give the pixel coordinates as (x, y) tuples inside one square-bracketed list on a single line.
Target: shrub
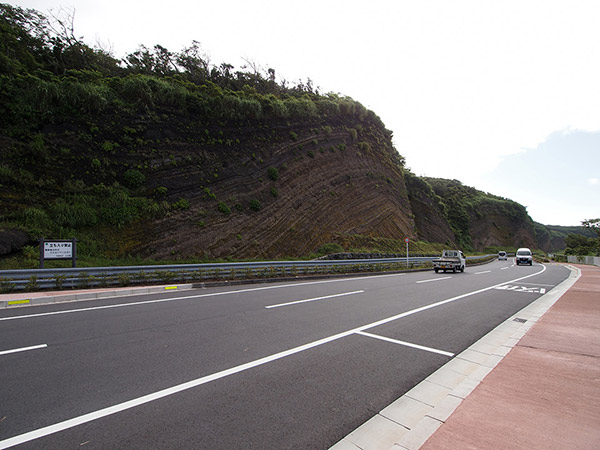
[(224, 208), (134, 178), (6, 286), (330, 248), (182, 204), (364, 146), (109, 146), (255, 205), (32, 284), (273, 173), (74, 213), (293, 136), (160, 191)]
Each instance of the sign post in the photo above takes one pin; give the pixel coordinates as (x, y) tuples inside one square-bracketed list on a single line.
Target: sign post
[(58, 249), (406, 240)]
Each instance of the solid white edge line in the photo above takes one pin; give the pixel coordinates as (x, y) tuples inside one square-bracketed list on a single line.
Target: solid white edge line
[(433, 279), (406, 344), (314, 299), (23, 349), (61, 426), (211, 294)]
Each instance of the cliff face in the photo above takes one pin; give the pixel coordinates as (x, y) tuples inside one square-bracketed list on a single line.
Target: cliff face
[(283, 196), (429, 212)]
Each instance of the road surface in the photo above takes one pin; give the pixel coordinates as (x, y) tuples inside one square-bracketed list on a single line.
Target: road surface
[(294, 365)]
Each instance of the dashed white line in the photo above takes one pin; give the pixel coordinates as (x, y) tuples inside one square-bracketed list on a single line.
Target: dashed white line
[(314, 299), (23, 349), (433, 279), (485, 271), (188, 297), (406, 344)]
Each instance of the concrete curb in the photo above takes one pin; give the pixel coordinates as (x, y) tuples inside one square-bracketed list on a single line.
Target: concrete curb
[(33, 298), (407, 423)]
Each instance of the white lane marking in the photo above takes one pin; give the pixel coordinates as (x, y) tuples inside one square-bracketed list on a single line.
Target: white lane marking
[(61, 426), (407, 344), (504, 268), (212, 294), (314, 299), (433, 279), (23, 349), (485, 271)]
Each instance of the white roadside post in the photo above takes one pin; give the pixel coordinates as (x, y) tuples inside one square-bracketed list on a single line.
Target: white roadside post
[(406, 240)]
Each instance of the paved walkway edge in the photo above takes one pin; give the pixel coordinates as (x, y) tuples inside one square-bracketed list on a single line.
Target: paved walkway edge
[(409, 421)]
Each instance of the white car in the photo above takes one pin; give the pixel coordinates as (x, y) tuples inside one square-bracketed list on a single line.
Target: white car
[(524, 256), (501, 256)]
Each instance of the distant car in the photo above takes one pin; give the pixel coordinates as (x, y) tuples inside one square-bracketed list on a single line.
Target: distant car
[(524, 256), (501, 256)]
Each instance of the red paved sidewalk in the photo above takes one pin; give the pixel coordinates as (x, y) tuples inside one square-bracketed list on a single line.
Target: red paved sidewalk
[(545, 394)]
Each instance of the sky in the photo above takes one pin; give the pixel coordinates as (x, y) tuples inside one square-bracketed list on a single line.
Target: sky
[(503, 95)]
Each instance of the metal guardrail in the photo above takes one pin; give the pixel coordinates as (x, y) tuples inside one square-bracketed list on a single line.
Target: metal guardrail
[(86, 277)]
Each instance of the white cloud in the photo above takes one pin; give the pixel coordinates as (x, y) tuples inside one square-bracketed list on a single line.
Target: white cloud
[(593, 181)]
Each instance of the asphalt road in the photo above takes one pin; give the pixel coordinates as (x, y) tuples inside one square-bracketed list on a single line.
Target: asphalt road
[(275, 366)]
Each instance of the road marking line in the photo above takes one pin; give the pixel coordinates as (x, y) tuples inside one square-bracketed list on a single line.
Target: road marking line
[(314, 299), (89, 417), (23, 349), (406, 344), (485, 271), (19, 302), (212, 294), (433, 279), (504, 268)]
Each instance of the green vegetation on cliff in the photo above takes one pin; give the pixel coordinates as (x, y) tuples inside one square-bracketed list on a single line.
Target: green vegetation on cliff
[(88, 143)]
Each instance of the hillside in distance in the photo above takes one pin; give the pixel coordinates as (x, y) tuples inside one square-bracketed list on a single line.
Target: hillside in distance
[(164, 156)]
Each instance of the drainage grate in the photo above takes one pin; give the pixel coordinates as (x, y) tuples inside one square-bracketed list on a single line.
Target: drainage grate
[(517, 319)]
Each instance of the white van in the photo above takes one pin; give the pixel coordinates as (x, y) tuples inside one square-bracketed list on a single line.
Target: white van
[(524, 256), (502, 256)]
